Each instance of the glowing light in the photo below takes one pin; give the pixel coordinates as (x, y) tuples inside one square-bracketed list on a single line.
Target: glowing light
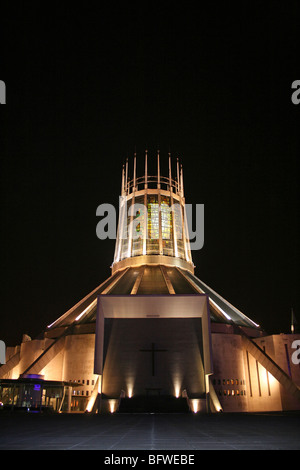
[(79, 316), (195, 405), (253, 322), (231, 306), (177, 383), (90, 403), (224, 313), (99, 383), (96, 391), (176, 249), (86, 310), (218, 408), (113, 406), (272, 379)]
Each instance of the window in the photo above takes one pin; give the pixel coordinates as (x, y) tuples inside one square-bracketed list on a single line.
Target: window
[(166, 218), (153, 213)]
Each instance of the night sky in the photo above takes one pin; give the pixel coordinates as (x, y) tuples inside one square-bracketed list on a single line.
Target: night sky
[(88, 84)]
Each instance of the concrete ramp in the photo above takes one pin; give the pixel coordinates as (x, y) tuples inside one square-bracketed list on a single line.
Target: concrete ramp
[(11, 363), (47, 355), (270, 365)]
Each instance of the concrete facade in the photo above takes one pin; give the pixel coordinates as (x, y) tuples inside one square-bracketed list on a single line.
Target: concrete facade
[(177, 357), (240, 382)]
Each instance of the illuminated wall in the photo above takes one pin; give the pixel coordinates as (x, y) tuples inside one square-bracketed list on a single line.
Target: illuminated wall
[(157, 228)]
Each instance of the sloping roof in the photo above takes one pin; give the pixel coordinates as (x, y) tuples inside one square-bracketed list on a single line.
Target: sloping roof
[(153, 279)]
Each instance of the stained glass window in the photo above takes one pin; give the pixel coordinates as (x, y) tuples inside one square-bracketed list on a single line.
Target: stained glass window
[(153, 225)]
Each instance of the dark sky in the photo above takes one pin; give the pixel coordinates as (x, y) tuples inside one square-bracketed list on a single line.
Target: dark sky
[(87, 84)]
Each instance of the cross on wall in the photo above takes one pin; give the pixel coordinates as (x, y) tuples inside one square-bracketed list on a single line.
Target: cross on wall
[(153, 351)]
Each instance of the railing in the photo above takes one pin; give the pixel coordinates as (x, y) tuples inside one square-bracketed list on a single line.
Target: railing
[(163, 181)]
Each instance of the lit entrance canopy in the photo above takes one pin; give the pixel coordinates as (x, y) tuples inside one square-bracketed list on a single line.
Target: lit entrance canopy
[(153, 306)]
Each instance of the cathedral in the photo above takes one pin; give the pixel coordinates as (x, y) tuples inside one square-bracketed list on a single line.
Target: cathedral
[(152, 337)]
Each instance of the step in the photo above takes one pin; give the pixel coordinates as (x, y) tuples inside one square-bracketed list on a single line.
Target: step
[(153, 404)]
